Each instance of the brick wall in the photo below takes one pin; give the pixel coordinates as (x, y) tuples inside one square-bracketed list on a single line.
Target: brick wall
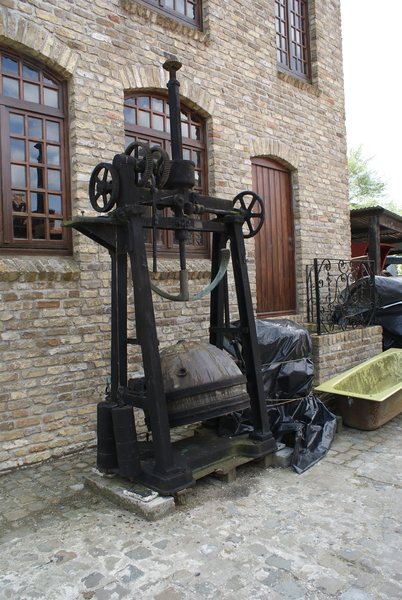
[(55, 324), (335, 353)]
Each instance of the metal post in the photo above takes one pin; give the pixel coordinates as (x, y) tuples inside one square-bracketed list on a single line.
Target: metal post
[(317, 296), (255, 387), (146, 334), (114, 349)]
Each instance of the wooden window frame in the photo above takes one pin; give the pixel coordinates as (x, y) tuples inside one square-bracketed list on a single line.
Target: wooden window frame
[(167, 247), (160, 6), (293, 41), (41, 216)]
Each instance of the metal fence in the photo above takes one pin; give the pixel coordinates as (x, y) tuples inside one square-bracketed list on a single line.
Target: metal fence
[(340, 294)]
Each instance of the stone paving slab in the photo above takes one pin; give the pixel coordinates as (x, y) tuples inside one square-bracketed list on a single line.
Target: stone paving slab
[(334, 532)]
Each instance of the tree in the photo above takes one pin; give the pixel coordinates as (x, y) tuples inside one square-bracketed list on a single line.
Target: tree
[(366, 188)]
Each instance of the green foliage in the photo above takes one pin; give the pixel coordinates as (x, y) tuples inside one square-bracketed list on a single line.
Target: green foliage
[(366, 188)]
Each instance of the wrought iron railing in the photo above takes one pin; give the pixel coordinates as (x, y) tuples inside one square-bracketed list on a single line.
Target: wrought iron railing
[(340, 294)]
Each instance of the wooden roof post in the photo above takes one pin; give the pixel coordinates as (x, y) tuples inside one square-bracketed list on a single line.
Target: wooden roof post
[(374, 243)]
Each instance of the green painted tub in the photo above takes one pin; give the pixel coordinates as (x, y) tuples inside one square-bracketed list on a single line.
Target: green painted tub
[(370, 394)]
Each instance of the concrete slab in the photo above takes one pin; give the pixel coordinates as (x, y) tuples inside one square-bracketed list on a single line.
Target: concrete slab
[(136, 498)]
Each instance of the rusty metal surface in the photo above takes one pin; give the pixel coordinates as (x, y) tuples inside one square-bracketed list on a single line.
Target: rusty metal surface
[(368, 414)]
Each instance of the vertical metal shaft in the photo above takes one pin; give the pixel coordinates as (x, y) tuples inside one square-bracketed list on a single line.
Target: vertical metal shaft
[(114, 362), (174, 109)]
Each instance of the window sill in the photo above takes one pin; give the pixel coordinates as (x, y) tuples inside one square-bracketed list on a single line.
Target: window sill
[(299, 83), (27, 269), (155, 16)]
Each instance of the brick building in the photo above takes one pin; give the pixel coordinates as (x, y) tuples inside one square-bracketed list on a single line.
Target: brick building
[(262, 108)]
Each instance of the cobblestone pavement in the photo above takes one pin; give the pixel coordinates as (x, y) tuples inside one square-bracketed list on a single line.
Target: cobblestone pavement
[(332, 532)]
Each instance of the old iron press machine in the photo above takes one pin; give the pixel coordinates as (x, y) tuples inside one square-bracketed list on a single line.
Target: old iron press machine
[(190, 381)]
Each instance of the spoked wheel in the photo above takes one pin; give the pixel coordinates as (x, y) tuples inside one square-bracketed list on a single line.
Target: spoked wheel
[(161, 166), (144, 161), (251, 207), (103, 187)]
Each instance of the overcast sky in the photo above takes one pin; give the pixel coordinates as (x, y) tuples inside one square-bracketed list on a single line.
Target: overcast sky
[(373, 84)]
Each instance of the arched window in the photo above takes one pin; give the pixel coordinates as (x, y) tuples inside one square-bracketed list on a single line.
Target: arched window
[(147, 119), (34, 198)]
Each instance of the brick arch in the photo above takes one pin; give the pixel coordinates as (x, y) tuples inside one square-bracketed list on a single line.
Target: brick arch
[(276, 150), (25, 36), (155, 79)]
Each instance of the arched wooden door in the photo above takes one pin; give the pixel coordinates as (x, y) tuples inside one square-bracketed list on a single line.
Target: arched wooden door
[(274, 246)]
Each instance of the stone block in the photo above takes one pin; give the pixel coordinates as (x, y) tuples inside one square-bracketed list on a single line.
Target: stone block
[(282, 458)]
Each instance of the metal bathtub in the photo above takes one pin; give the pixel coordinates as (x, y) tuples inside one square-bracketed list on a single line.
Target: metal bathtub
[(370, 394)]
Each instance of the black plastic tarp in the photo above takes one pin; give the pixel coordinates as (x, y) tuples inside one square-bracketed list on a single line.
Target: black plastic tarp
[(388, 312), (307, 426), (287, 371), (388, 306), (285, 347)]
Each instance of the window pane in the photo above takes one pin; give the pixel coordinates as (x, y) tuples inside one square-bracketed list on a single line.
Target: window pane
[(20, 228), (195, 133), (180, 6), (54, 204), (184, 130), (158, 122), (48, 81), (35, 152), (55, 230), (17, 149), (197, 159), (11, 87), (143, 118), (53, 155), (128, 140), (129, 115), (36, 177), (53, 131), (30, 73), (18, 176), (31, 92), (35, 127), (190, 10), (51, 98), (143, 101), (157, 105), (38, 229), (19, 201), (17, 125), (129, 101), (186, 154), (54, 180), (37, 202), (9, 65)]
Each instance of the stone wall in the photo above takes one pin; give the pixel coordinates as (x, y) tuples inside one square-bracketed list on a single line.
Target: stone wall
[(55, 322)]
